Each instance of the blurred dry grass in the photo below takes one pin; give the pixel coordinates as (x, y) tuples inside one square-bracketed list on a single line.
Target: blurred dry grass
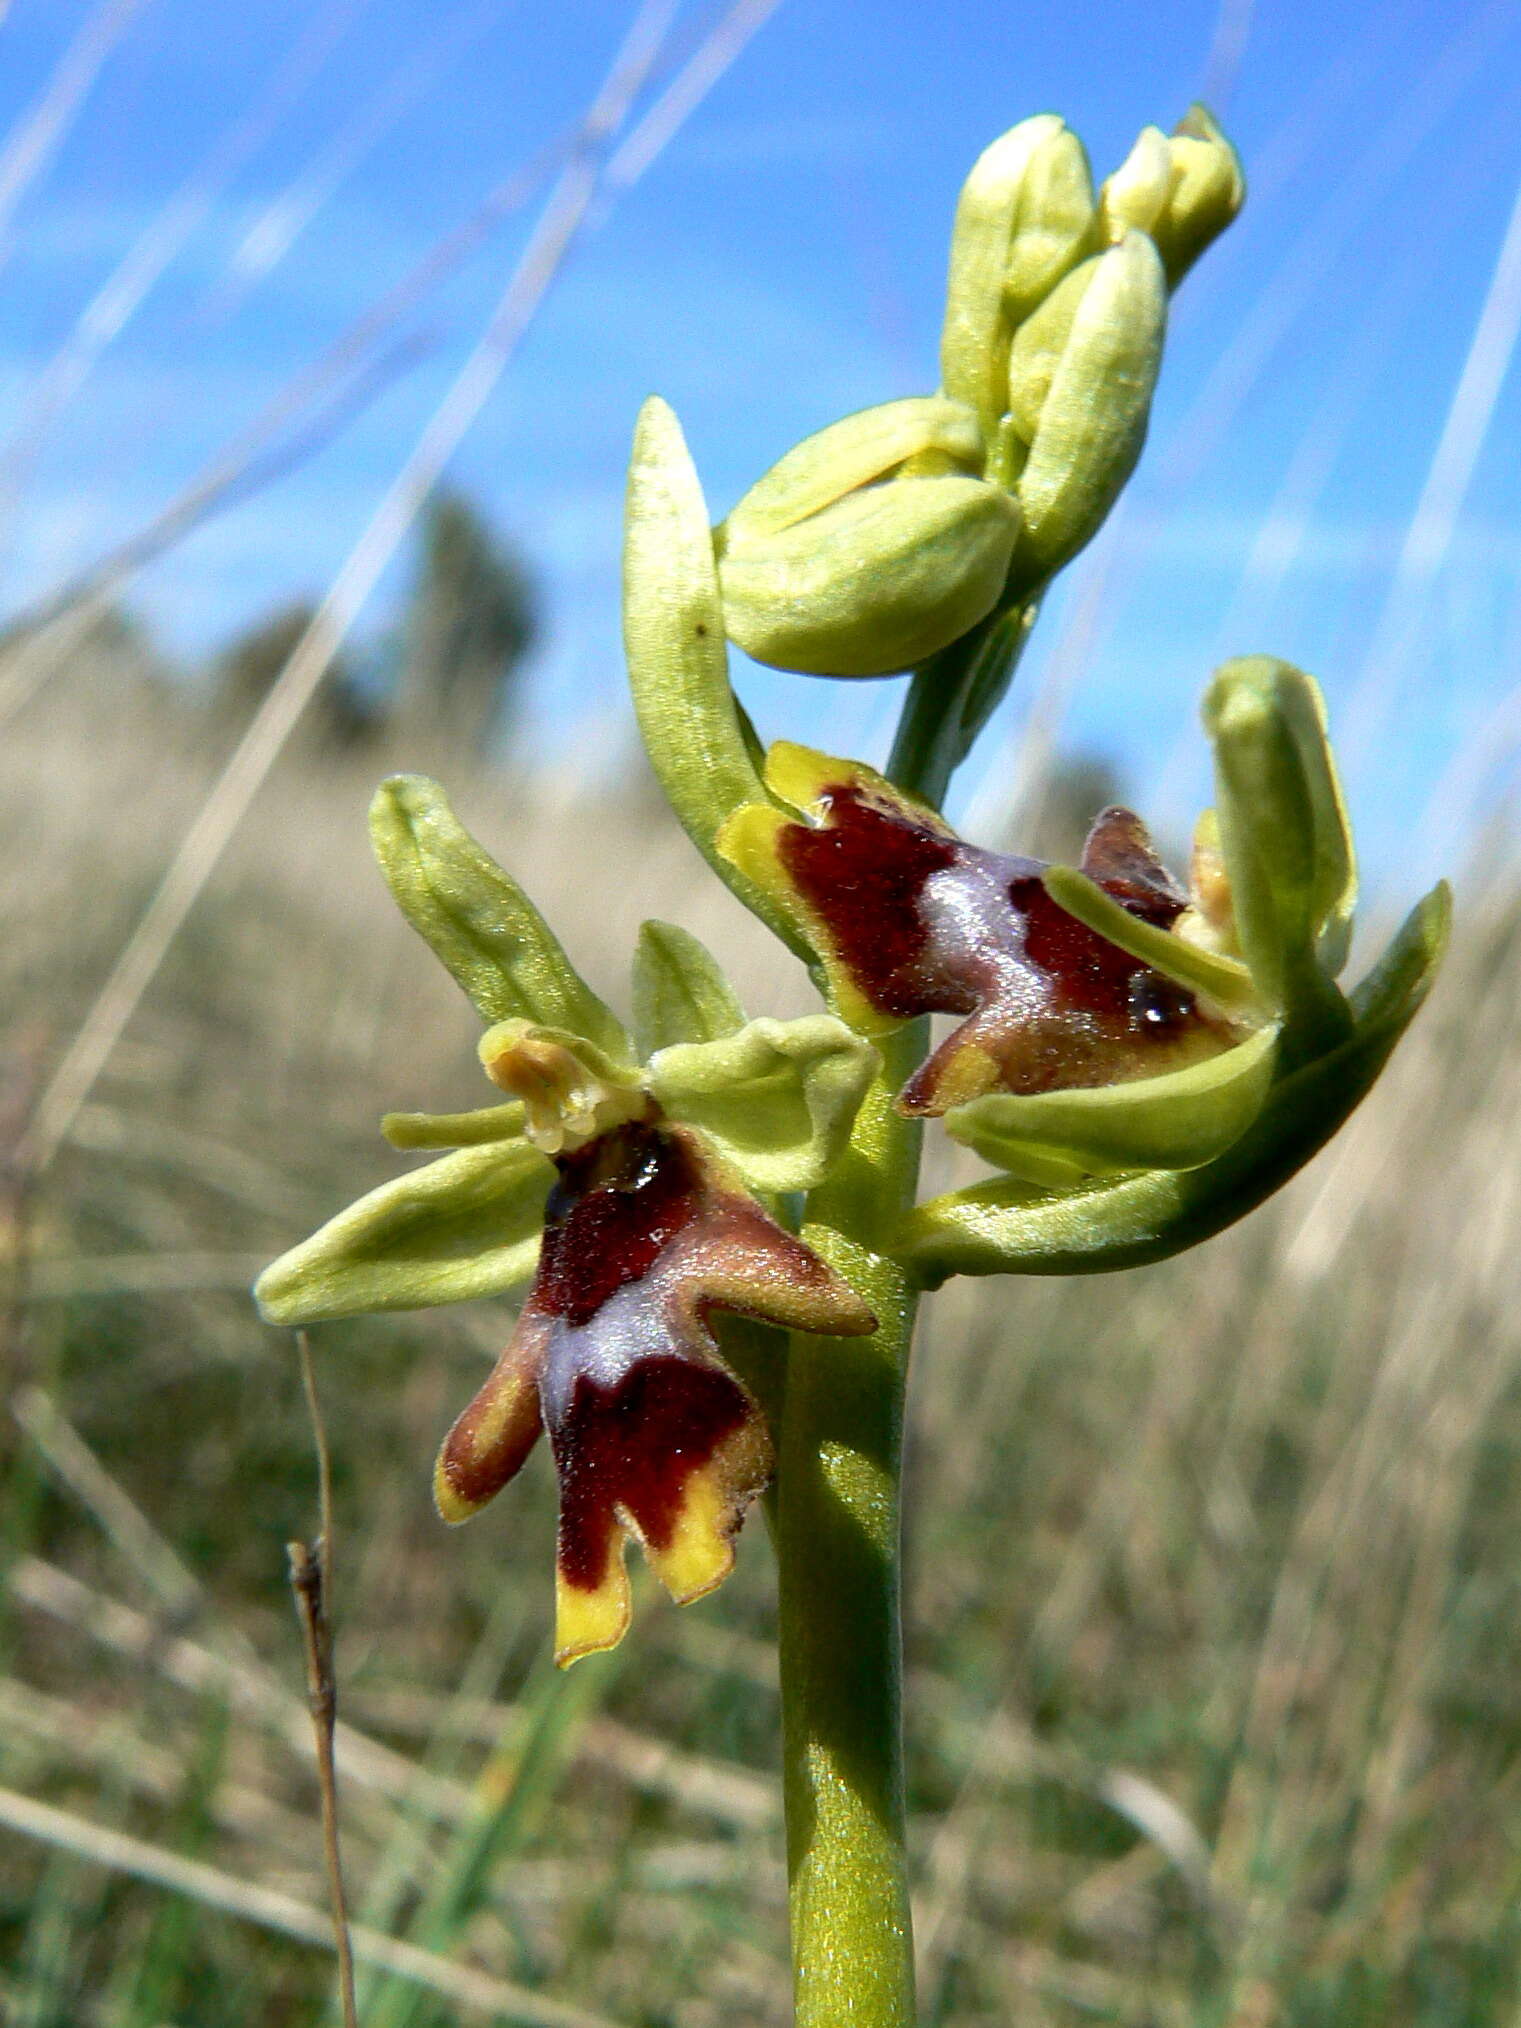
[(1213, 1625)]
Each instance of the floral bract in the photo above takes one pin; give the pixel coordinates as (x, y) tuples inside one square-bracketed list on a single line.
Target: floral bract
[(625, 1192)]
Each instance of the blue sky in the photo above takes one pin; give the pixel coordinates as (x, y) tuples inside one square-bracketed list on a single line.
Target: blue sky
[(780, 265)]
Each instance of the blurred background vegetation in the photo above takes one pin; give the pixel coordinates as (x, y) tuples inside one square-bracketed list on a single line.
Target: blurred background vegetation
[(1213, 1629), (1214, 1618)]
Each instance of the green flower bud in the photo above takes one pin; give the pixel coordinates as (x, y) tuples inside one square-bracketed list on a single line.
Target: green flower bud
[(1024, 216), (1135, 197), (841, 562), (1082, 372), (854, 452), (1182, 190)]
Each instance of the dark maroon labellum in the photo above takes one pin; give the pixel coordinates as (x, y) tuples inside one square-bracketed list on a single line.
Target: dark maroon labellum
[(636, 1446), (863, 872), (618, 1202)]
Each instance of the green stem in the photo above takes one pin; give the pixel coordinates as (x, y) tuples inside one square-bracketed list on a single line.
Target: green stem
[(837, 1518), (839, 1559), (952, 697)]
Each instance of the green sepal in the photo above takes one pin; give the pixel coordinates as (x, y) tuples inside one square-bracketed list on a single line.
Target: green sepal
[(1176, 1121), (778, 1098), (1007, 1227), (855, 451), (462, 1227), (1135, 196), (1283, 828), (678, 659), (478, 921), (477, 1129), (1038, 345), (680, 992), (1221, 979)]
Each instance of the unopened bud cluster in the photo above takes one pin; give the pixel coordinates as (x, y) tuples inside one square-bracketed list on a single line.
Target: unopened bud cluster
[(881, 540)]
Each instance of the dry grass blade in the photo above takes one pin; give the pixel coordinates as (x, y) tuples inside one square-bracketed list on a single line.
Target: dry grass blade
[(685, 93), (64, 1277), (224, 809), (281, 220), (311, 1581), (35, 142), (124, 290), (213, 1888), (255, 1691), (1429, 536), (119, 1515)]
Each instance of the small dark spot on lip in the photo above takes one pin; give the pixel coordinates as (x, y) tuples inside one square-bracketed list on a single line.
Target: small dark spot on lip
[(702, 631)]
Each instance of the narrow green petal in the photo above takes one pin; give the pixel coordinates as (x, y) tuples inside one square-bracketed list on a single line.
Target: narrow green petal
[(477, 919), (680, 993), (1221, 979), (778, 1099), (464, 1226), (1007, 1227), (1401, 979), (1176, 1121), (454, 1130)]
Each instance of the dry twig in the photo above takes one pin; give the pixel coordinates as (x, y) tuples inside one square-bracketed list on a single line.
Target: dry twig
[(310, 1575)]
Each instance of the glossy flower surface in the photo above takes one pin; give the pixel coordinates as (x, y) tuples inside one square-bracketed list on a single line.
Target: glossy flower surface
[(625, 1193), (645, 1234), (909, 919), (1145, 1063)]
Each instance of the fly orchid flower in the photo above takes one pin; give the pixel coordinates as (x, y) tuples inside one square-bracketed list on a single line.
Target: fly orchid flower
[(625, 1191), (1145, 1063)]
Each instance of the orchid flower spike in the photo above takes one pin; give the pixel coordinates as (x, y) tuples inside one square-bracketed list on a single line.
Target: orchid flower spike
[(623, 1179), (880, 541), (1144, 1063)]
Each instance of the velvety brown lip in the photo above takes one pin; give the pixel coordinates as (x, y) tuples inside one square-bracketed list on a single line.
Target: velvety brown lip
[(863, 874), (635, 1446), (618, 1202)]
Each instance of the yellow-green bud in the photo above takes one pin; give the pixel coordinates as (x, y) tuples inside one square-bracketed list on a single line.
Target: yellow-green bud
[(1039, 344), (1183, 189), (1083, 380), (1024, 216), (854, 452), (1210, 190), (875, 583), (1135, 197), (869, 546)]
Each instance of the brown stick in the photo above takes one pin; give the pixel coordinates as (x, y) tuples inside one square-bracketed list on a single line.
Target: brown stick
[(310, 1569)]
